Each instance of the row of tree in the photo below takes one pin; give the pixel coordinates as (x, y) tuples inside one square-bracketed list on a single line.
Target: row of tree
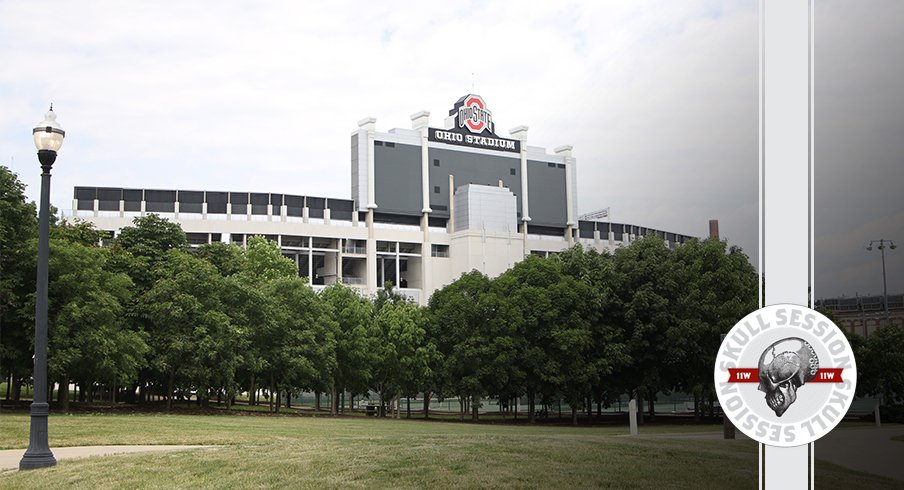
[(150, 318)]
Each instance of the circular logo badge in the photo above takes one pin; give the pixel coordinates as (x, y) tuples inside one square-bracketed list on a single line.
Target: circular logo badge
[(785, 375)]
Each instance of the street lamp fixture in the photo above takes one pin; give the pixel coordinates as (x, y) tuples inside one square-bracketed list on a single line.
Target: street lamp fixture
[(48, 137), (882, 244)]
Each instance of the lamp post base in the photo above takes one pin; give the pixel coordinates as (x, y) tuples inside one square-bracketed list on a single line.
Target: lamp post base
[(38, 454)]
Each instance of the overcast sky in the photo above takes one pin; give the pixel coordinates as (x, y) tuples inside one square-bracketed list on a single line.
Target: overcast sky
[(659, 100)]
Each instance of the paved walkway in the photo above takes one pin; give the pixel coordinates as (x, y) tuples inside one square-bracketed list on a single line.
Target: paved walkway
[(869, 449), (9, 458)]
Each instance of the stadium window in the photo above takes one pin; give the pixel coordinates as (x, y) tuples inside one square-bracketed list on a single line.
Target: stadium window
[(435, 162), (512, 171), (390, 145), (436, 189)]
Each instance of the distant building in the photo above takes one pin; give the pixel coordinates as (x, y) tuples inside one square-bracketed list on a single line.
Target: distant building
[(864, 314), (427, 204)]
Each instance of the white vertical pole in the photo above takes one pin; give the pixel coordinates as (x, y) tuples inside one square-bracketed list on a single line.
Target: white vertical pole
[(785, 199)]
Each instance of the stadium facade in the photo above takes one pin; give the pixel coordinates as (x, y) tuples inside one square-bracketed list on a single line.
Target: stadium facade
[(426, 205)]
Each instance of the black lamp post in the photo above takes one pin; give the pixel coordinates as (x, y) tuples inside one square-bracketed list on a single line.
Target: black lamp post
[(883, 242), (48, 139)]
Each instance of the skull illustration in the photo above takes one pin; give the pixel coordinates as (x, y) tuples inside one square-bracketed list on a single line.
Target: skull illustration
[(784, 367)]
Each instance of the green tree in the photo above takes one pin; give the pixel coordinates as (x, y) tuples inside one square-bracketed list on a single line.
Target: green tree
[(607, 353), (194, 341), (353, 315), (228, 259), (401, 354), (719, 287), (649, 290), (476, 340), (149, 240), (880, 366), (89, 337), (18, 225), (551, 330), (300, 350)]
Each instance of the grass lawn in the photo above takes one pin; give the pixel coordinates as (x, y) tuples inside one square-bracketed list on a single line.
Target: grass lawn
[(292, 452)]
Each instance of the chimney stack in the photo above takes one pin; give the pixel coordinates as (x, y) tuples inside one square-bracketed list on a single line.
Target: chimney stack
[(714, 228)]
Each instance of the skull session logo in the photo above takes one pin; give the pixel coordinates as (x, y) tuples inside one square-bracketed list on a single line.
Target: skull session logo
[(785, 375)]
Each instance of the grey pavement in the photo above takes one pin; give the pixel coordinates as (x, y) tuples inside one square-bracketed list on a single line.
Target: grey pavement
[(868, 449), (9, 458)]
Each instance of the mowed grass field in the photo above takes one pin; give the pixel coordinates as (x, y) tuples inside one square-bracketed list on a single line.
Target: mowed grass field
[(324, 452)]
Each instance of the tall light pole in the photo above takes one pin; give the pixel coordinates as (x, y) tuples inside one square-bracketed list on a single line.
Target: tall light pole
[(883, 242), (48, 137)]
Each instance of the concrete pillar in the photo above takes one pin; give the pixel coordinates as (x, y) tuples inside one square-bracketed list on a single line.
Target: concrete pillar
[(368, 125), (565, 152), (420, 122), (371, 259)]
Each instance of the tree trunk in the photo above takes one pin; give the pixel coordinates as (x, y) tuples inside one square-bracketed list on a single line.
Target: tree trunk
[(334, 400), (652, 411), (112, 391), (81, 392), (64, 393), (17, 390), (640, 416), (342, 400), (252, 392), (169, 391), (9, 385), (288, 398), (696, 405), (531, 405), (382, 406), (409, 408), (427, 404), (317, 401), (475, 406), (272, 387)]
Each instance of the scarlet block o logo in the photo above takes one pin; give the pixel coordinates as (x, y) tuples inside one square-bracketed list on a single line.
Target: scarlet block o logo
[(473, 114)]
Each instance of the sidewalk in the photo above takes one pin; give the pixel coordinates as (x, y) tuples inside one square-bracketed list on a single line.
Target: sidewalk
[(9, 458), (867, 449)]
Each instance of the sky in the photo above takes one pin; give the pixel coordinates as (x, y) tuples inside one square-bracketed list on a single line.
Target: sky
[(659, 100)]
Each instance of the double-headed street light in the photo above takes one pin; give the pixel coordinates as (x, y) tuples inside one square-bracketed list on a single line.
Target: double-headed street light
[(48, 139), (883, 242)]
